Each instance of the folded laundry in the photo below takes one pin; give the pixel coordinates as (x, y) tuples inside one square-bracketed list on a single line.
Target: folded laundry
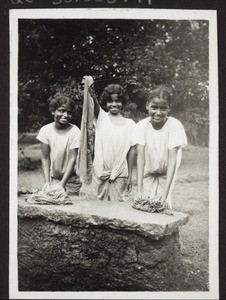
[(148, 204), (54, 195)]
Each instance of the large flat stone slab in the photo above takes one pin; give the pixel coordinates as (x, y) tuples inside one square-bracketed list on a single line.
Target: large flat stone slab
[(95, 213)]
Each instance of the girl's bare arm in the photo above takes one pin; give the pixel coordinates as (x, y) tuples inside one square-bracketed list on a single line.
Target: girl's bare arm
[(70, 167), (140, 167), (46, 161), (130, 161), (171, 168)]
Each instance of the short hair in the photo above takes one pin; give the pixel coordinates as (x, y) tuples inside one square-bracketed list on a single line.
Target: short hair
[(162, 92), (58, 100), (112, 89)]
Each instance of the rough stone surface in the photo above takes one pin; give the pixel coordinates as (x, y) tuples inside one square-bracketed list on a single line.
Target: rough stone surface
[(117, 215), (97, 246)]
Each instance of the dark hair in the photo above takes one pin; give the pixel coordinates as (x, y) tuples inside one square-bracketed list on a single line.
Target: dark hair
[(59, 100), (162, 92), (112, 89)]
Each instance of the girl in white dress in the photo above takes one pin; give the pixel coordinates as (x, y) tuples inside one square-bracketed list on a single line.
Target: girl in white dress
[(160, 140), (59, 145), (114, 149)]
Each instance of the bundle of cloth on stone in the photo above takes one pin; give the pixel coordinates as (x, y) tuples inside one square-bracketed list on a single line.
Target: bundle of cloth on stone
[(51, 195), (87, 134), (146, 203)]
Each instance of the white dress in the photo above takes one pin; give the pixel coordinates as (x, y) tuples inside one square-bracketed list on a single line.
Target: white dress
[(60, 144), (157, 145), (112, 144), (110, 168)]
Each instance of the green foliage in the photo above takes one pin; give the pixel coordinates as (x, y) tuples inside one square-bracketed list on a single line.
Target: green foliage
[(54, 55)]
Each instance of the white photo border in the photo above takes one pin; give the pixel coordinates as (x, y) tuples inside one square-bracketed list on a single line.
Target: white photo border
[(122, 13)]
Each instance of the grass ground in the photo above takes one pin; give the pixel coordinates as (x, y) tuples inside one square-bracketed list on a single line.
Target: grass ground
[(190, 196)]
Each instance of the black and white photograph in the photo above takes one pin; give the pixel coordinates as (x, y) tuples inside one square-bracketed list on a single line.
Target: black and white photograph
[(114, 154)]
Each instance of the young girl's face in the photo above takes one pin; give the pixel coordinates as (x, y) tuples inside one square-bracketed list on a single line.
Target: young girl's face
[(62, 115), (114, 105), (158, 110)]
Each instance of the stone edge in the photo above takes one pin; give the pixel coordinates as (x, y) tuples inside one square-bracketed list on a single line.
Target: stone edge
[(154, 231)]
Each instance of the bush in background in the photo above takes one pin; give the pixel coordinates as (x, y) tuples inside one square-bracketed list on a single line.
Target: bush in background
[(54, 55)]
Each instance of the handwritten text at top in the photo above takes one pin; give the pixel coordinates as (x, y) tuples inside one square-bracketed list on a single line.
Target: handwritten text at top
[(57, 2)]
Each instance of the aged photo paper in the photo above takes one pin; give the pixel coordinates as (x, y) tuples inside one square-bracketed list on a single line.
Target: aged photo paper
[(17, 17)]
